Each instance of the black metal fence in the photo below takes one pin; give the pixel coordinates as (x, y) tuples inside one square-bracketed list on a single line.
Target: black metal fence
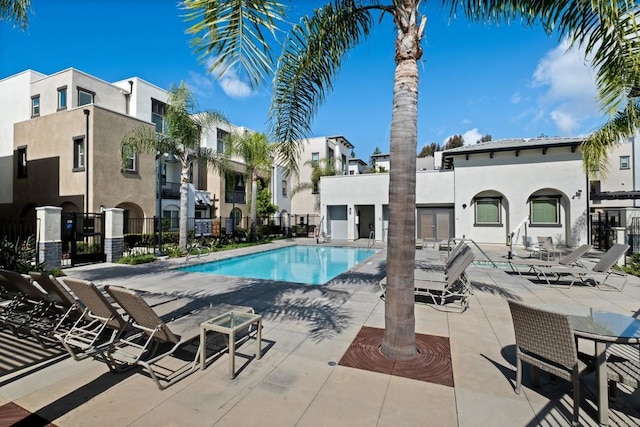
[(14, 229), (634, 235), (141, 234)]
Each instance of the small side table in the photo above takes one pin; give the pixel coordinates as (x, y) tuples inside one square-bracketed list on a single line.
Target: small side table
[(229, 324)]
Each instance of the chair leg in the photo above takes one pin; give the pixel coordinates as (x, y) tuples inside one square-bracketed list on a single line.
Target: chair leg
[(518, 375), (576, 400)]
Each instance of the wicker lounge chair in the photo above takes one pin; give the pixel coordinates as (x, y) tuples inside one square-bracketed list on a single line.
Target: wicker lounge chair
[(602, 267), (546, 341), (27, 301), (100, 326), (146, 351), (66, 312)]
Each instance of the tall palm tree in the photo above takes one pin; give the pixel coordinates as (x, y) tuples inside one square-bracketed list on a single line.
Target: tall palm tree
[(257, 155), (181, 137), (15, 11), (233, 32)]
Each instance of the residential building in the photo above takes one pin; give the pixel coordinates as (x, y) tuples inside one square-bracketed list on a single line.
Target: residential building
[(60, 145), (381, 162), (357, 166), (484, 192)]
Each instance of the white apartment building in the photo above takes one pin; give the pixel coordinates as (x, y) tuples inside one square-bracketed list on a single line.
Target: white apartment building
[(483, 192)]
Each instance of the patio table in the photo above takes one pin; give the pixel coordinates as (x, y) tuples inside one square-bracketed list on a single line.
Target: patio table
[(229, 324), (603, 328)]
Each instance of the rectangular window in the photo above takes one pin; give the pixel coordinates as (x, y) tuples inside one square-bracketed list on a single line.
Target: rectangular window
[(344, 164), (172, 220), (545, 211), (62, 98), (130, 159), (22, 162), (221, 136), (284, 188), (594, 188), (315, 159), (78, 154), (624, 162), (35, 105), (488, 211), (158, 110), (85, 97)]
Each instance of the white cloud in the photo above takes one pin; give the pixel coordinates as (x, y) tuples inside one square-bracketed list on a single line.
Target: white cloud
[(233, 86), (470, 137), (516, 98), (569, 88)]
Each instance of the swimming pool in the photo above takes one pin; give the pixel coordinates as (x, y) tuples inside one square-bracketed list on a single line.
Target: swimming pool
[(311, 265)]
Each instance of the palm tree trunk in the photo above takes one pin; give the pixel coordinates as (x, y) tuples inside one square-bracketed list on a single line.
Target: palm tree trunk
[(254, 206), (184, 199), (399, 341)]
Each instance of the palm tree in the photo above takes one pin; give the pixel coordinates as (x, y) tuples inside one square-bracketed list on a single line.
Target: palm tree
[(16, 11), (233, 31), (319, 169), (182, 139), (257, 154)]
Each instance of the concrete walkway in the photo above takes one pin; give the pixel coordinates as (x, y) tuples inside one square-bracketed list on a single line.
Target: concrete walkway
[(307, 329)]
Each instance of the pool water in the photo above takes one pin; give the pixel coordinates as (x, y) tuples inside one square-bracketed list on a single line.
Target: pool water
[(311, 265)]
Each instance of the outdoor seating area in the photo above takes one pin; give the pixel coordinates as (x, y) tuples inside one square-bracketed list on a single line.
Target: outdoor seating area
[(477, 366)]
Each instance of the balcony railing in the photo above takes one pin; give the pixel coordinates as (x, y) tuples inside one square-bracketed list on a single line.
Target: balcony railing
[(238, 197), (171, 190)]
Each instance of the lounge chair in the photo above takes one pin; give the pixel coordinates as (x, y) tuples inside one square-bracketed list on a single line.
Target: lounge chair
[(100, 326), (174, 334), (602, 267), (27, 301), (546, 341), (443, 282), (68, 310), (572, 259)]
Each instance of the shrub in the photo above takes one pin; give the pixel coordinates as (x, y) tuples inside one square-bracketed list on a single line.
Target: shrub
[(137, 259), (19, 256)]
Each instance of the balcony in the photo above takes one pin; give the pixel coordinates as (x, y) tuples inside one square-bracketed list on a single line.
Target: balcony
[(238, 197), (171, 190)]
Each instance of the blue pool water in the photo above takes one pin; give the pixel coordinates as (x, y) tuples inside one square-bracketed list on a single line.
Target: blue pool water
[(312, 265)]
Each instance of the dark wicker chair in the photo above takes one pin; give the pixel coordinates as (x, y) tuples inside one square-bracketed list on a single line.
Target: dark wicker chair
[(546, 341), (623, 366)]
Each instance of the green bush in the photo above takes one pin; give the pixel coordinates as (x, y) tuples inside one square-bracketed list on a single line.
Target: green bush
[(633, 265), (19, 256), (137, 259)]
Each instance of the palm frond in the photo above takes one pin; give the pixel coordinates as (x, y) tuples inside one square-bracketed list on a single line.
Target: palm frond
[(595, 149), (312, 56), (231, 34), (16, 11)]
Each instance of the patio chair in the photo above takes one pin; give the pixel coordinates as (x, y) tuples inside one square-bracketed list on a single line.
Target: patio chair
[(572, 259), (546, 246), (175, 334), (602, 267), (545, 340), (100, 326)]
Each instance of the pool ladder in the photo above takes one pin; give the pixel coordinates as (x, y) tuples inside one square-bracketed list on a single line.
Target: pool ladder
[(372, 240)]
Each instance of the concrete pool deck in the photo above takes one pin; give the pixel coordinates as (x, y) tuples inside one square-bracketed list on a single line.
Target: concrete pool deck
[(307, 329)]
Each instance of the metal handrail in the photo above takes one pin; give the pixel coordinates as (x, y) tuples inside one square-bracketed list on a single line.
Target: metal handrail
[(372, 241), (457, 239)]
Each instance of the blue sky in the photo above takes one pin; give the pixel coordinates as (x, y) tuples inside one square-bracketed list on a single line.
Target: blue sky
[(475, 79)]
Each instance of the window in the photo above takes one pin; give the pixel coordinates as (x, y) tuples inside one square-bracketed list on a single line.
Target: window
[(171, 219), (130, 159), (234, 190), (545, 211), (78, 154), (158, 110), (22, 162), (284, 188), (345, 165), (85, 97), (62, 98), (488, 211), (35, 105), (594, 188), (315, 186), (315, 159), (624, 162), (221, 135)]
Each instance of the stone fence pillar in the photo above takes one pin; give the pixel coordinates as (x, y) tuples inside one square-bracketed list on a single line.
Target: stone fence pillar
[(113, 234), (49, 236)]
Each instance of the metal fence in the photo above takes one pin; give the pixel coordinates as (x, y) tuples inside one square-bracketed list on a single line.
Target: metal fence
[(14, 229)]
